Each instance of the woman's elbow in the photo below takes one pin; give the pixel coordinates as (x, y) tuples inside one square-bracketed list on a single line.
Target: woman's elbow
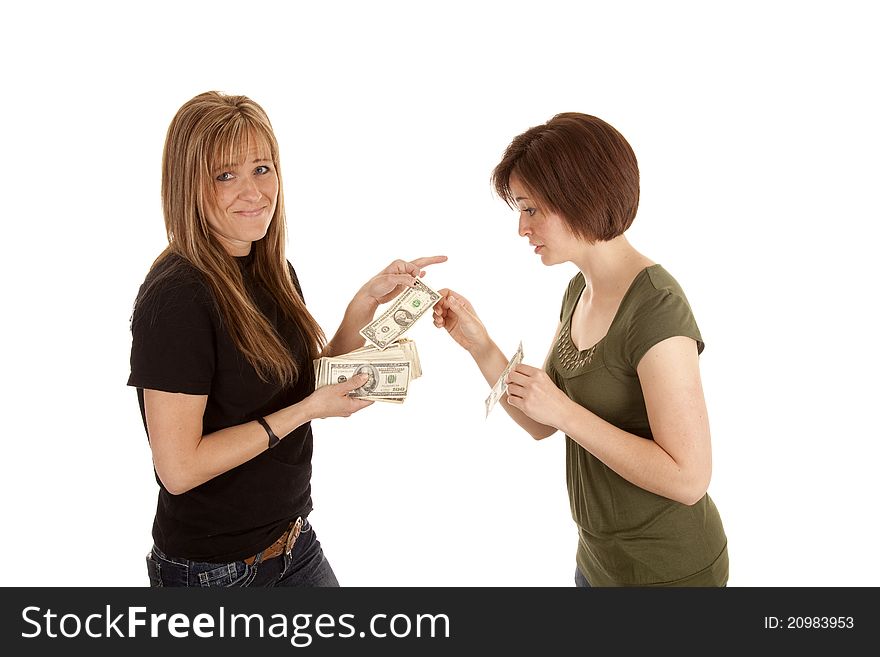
[(695, 490), (173, 486), (691, 499), (541, 433), (177, 490), (174, 480)]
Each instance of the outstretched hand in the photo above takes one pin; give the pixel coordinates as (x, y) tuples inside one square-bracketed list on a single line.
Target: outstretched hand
[(389, 282), (456, 314)]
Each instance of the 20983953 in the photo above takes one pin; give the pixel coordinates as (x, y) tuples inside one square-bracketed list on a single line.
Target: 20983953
[(809, 622)]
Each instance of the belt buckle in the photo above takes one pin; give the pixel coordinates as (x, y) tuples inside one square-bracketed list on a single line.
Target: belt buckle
[(292, 535)]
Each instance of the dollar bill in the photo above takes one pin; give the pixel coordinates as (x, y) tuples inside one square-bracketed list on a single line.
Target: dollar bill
[(329, 369), (500, 386), (387, 380), (403, 349), (403, 312)]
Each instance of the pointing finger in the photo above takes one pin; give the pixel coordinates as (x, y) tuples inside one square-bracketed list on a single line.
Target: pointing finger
[(431, 260)]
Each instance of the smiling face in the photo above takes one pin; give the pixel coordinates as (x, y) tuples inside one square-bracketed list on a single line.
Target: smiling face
[(546, 231), (242, 198)]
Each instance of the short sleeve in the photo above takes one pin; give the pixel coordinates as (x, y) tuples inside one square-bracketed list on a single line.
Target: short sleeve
[(665, 315), (173, 337), (572, 294)]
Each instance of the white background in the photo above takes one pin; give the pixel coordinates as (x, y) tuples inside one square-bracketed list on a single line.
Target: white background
[(756, 130)]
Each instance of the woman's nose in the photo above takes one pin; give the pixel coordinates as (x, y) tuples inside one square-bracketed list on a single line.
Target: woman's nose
[(249, 190), (524, 227)]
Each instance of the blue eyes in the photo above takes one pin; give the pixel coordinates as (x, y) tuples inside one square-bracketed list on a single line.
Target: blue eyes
[(226, 176), (529, 211)]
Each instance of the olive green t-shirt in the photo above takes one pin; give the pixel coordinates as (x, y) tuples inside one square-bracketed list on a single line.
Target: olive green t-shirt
[(629, 536)]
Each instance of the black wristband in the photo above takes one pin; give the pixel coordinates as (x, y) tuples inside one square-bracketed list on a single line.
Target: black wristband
[(273, 439)]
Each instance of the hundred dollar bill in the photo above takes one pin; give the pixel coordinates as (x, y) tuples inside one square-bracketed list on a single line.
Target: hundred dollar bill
[(387, 381), (403, 349), (500, 386), (406, 308)]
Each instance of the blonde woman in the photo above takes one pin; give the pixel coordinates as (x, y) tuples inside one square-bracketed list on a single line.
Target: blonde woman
[(622, 378), (222, 351)]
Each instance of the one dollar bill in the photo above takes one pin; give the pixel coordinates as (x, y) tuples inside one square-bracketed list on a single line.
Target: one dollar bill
[(500, 386), (403, 312)]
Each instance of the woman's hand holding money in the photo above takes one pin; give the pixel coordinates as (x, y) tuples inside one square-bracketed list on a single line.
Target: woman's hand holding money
[(381, 288), (335, 401), (389, 282), (532, 391), (455, 313)]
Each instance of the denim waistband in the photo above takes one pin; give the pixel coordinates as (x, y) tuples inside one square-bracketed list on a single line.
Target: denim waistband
[(306, 527)]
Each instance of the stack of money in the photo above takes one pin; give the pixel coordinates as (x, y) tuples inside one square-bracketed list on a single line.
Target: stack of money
[(388, 359), (389, 370)]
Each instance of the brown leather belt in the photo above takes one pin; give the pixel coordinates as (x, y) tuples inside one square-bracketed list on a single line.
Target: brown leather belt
[(283, 545)]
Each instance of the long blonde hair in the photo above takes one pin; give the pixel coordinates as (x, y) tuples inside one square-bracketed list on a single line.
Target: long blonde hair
[(208, 129)]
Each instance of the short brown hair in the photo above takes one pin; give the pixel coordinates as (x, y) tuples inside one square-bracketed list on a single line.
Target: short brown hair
[(576, 166)]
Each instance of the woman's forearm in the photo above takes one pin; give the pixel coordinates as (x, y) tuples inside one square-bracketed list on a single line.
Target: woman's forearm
[(182, 469), (638, 460), (492, 361), (347, 338)]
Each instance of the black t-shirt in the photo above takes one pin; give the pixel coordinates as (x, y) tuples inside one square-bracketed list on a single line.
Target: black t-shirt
[(179, 344)]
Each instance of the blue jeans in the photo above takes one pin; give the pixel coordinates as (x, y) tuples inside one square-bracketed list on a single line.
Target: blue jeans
[(304, 566), (580, 580)]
